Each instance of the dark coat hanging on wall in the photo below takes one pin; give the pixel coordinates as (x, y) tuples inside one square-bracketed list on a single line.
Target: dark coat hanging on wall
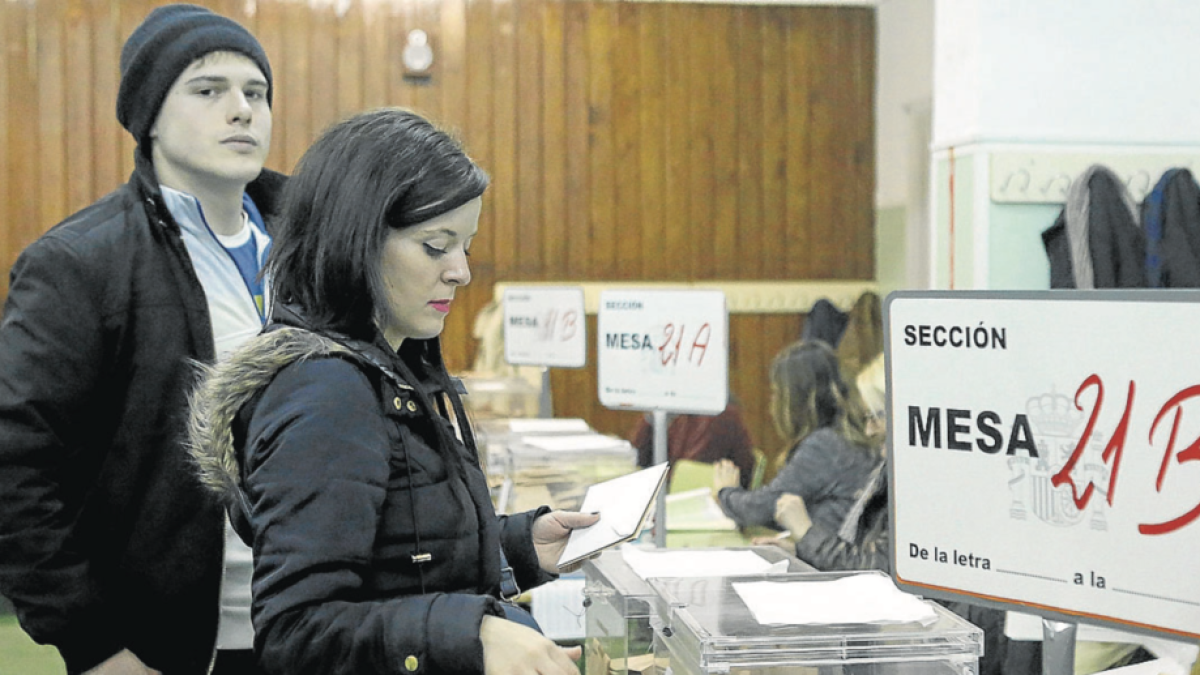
[(1109, 236), (1171, 219)]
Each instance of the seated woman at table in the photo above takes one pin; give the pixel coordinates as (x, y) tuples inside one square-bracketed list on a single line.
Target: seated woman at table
[(823, 421)]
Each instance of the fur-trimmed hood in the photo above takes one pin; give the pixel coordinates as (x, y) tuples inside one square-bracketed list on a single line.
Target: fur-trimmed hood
[(226, 387)]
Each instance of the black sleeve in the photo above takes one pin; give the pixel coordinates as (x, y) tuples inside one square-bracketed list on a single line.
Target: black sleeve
[(51, 368), (827, 552), (317, 478)]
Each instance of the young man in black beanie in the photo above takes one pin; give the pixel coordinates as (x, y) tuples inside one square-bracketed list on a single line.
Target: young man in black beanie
[(110, 549)]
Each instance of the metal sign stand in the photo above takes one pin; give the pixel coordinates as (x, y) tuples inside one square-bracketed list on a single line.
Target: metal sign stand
[(660, 456), (1058, 647)]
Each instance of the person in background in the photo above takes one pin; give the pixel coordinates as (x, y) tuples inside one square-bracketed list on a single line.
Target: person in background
[(823, 422), (700, 438), (110, 550), (339, 441)]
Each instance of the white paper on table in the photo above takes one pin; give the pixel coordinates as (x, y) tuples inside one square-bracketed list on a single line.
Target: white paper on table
[(867, 598), (572, 443), (685, 563), (623, 504), (548, 426), (696, 510)]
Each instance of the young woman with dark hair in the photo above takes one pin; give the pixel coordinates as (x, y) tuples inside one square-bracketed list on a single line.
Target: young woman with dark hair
[(338, 439), (824, 423)]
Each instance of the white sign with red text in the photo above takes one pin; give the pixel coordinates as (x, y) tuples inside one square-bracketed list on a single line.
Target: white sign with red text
[(663, 350), (1043, 450), (544, 327)]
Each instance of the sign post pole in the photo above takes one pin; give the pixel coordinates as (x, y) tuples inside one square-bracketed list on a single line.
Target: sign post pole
[(1058, 647), (660, 456)]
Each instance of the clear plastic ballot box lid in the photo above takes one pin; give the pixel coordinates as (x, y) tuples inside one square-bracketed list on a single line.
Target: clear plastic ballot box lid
[(609, 576), (706, 627)]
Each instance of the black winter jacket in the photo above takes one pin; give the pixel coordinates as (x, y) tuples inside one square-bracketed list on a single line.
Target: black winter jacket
[(107, 541), (376, 549)]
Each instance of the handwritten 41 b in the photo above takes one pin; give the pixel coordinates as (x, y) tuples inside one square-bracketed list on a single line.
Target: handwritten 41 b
[(673, 344), (1116, 446)]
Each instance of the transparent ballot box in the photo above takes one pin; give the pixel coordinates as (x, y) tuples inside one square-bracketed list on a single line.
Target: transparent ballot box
[(495, 397), (835, 623), (542, 465), (618, 600)]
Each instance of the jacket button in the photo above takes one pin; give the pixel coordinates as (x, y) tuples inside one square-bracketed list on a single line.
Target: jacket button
[(412, 406), (410, 663), (398, 403)]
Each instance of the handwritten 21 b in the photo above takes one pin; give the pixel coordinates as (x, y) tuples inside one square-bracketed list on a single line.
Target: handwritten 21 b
[(1116, 446)]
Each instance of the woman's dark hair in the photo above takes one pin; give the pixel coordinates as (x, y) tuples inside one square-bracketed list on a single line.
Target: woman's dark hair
[(808, 393), (377, 171)]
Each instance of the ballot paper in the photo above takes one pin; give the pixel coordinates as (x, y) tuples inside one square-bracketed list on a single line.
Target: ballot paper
[(855, 599), (684, 563), (623, 504)]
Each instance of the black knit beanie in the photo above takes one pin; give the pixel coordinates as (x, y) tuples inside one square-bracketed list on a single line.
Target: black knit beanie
[(170, 39)]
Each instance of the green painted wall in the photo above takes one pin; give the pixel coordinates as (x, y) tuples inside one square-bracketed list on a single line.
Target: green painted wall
[(891, 249)]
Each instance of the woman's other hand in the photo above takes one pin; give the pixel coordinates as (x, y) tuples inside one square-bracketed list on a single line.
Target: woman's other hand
[(784, 543), (725, 474), (511, 649), (550, 533), (792, 515)]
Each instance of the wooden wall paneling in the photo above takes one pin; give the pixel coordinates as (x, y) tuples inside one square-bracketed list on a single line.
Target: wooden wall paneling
[(861, 60), (449, 87), (578, 167), (601, 29), (504, 134), (323, 77), (475, 111), (269, 29), (426, 97), (652, 142), (826, 251), (626, 120), (8, 16), (700, 228), (673, 263), (845, 138), (800, 162), (728, 262), (297, 117), (554, 142), (51, 118), (745, 381), (477, 128), (351, 39), (131, 14), (106, 79), (773, 169), (376, 40), (451, 76), (530, 141), (399, 93), (747, 95), (77, 100)]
